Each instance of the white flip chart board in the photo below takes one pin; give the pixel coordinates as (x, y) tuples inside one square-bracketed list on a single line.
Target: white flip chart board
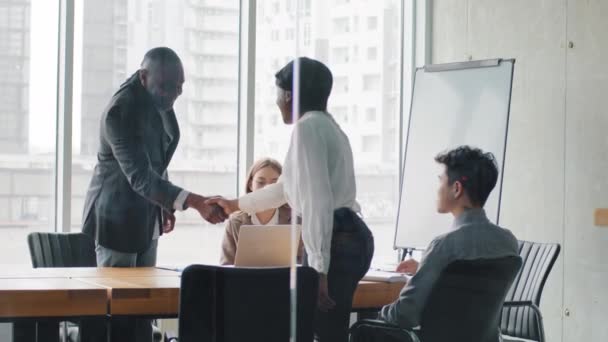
[(452, 105)]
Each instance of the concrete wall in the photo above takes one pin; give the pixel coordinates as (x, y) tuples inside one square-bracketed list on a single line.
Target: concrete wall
[(557, 148), (586, 262)]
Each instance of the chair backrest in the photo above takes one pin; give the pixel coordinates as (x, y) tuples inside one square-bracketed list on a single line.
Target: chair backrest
[(61, 250), (538, 260), (466, 301), (224, 304)]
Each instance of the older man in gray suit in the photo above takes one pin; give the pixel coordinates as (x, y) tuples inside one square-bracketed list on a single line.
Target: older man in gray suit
[(130, 201)]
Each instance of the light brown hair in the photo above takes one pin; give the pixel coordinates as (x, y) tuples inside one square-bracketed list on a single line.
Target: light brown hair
[(257, 166)]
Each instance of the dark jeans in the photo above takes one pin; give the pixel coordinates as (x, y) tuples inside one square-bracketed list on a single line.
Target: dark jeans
[(352, 248)]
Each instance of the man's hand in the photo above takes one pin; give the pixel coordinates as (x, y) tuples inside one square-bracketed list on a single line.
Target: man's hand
[(229, 206), (409, 266), (168, 222), (324, 303), (212, 213)]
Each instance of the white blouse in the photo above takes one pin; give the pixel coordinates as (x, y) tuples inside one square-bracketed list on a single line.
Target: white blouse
[(274, 220)]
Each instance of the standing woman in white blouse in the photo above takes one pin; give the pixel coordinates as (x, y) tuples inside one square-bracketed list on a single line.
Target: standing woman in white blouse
[(318, 182)]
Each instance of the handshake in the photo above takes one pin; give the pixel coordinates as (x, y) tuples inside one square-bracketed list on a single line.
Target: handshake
[(213, 209)]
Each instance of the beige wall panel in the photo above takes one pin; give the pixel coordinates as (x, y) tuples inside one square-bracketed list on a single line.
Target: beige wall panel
[(586, 268), (448, 43)]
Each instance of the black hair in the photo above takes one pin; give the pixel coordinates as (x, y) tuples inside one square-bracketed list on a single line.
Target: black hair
[(316, 81), (475, 170)]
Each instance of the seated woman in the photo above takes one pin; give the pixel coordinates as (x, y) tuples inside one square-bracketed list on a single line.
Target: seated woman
[(263, 172)]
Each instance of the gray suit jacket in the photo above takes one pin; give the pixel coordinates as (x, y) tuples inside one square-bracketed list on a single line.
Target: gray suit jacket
[(130, 184)]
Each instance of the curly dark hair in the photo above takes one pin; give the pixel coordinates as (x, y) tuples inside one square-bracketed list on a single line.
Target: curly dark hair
[(476, 170)]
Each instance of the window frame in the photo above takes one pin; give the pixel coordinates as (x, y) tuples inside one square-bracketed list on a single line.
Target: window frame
[(418, 13)]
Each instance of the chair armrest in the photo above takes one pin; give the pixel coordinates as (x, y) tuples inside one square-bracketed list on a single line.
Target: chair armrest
[(392, 331), (170, 337), (375, 322), (535, 309)]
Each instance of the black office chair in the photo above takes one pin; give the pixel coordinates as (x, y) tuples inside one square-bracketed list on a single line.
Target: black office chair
[(224, 304), (465, 305), (61, 250), (521, 317), (55, 250)]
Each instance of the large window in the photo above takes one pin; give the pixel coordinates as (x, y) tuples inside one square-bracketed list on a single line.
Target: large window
[(364, 100), (359, 40), (111, 39), (28, 79)]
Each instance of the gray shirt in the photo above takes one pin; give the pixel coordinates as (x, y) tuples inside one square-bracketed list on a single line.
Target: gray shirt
[(472, 236)]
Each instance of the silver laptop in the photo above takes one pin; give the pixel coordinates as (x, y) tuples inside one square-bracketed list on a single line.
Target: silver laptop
[(265, 246)]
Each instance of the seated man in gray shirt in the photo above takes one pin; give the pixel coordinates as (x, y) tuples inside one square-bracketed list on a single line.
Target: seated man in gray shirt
[(468, 177)]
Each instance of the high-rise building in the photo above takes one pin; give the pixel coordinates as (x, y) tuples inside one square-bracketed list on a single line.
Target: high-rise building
[(276, 43), (364, 57), (359, 43), (205, 35), (14, 72), (104, 55), (210, 103)]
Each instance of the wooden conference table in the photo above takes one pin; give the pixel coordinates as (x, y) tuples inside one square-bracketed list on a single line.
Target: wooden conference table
[(87, 292)]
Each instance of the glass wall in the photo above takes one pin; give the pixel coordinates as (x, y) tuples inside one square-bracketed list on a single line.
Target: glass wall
[(359, 40)]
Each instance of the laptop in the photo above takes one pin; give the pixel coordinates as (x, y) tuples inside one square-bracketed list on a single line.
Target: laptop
[(265, 246)]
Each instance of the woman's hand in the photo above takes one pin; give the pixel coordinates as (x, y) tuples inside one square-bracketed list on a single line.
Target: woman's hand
[(325, 303)]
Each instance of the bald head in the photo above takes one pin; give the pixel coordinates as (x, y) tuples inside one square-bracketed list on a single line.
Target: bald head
[(160, 56), (162, 75)]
